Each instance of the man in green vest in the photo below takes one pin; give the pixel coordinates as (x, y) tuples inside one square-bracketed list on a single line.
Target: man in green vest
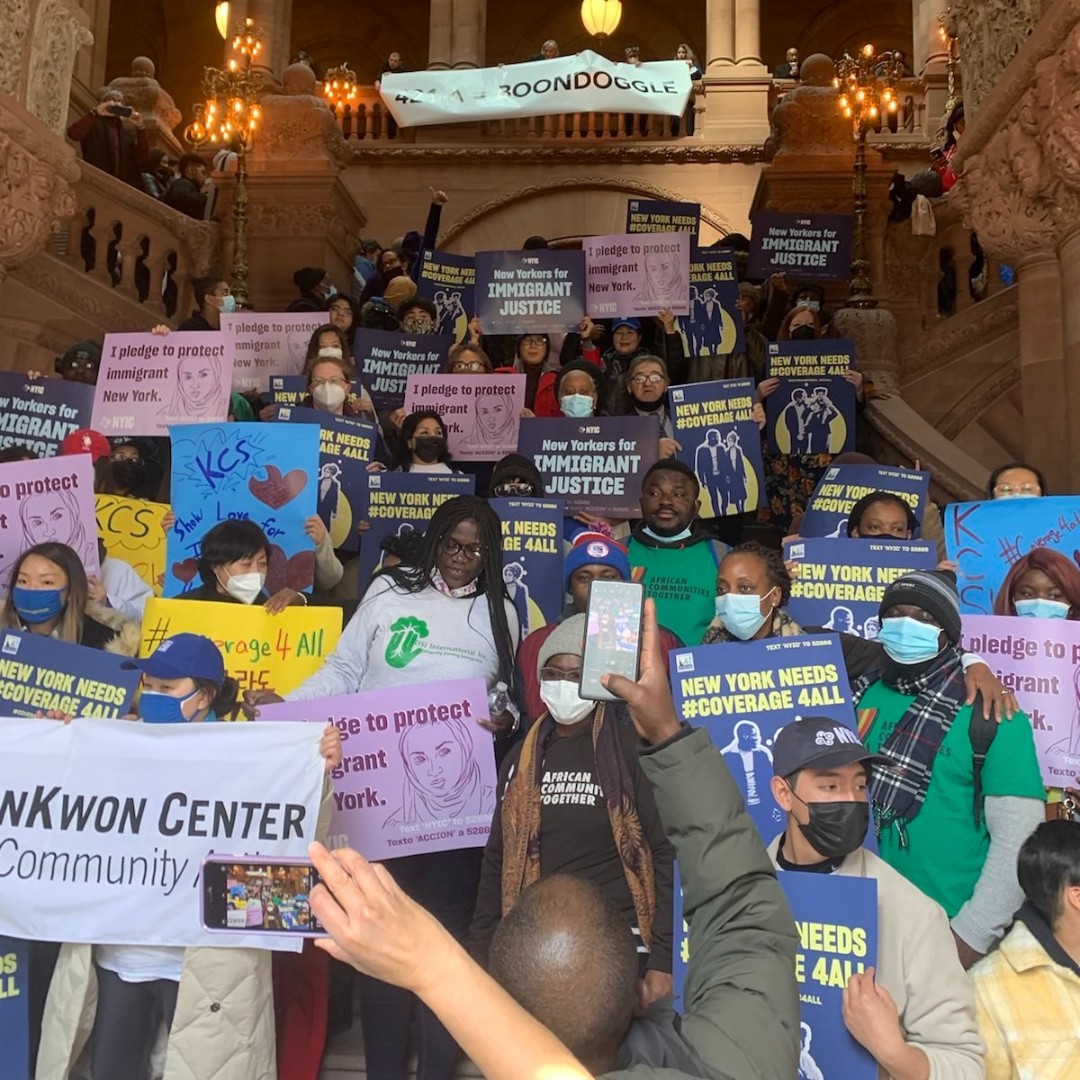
[(672, 552)]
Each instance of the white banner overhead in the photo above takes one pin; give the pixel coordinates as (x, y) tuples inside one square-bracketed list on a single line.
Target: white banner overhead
[(104, 824), (582, 83)]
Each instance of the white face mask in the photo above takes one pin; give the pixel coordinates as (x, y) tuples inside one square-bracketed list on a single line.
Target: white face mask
[(564, 702), (328, 395), (245, 587), (330, 352)]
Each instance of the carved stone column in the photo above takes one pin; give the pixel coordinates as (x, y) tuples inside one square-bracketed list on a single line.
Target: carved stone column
[(468, 34), (719, 34), (991, 32), (440, 36), (748, 31), (736, 82), (274, 19)]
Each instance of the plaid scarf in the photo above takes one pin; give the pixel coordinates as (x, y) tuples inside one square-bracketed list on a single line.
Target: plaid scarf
[(898, 793), (783, 625), (521, 818)]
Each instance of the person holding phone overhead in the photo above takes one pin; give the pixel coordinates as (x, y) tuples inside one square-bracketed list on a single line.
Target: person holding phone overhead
[(572, 799)]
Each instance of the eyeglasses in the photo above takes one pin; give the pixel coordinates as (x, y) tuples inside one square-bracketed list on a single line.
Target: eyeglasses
[(551, 674), (328, 382), (533, 340), (652, 379), (467, 366), (514, 487), (1017, 489), (452, 547)]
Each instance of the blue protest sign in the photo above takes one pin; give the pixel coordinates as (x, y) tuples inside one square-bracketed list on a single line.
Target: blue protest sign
[(836, 917), (838, 584), (39, 673), (395, 503), (346, 446), (806, 247), (720, 441), (448, 280), (39, 413), (387, 358), (813, 410), (533, 558), (745, 692), (250, 472), (714, 326), (15, 1008), (595, 464), (526, 292), (657, 215), (990, 542), (842, 486)]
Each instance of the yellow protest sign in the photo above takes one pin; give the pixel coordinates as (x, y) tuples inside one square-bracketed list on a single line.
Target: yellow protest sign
[(131, 530), (262, 651)]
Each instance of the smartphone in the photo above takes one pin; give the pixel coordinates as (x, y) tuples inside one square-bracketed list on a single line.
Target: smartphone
[(121, 110), (612, 635), (259, 896)]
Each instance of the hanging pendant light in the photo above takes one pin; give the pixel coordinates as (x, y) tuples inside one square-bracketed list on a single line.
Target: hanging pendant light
[(601, 17)]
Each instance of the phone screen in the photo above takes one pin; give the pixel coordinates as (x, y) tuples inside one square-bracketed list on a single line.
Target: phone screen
[(259, 896), (612, 635)]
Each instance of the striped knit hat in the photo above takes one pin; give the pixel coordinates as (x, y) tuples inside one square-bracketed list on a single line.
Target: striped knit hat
[(932, 590)]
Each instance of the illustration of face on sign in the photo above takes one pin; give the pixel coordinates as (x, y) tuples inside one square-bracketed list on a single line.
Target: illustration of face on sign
[(198, 389), (494, 419)]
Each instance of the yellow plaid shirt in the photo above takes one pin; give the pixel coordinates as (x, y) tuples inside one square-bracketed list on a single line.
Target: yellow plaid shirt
[(1029, 1011)]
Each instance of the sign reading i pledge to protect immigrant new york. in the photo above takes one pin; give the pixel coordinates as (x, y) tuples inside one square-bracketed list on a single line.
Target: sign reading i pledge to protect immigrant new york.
[(842, 486), (106, 822), (637, 274), (39, 413), (47, 501), (417, 771), (448, 280), (148, 382), (530, 292), (481, 415), (266, 344), (386, 359), (813, 409)]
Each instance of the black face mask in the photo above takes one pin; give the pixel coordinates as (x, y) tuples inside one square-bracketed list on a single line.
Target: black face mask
[(650, 406), (835, 829), (429, 448), (804, 332), (132, 475)]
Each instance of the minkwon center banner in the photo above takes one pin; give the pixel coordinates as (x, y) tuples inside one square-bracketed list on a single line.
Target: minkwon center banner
[(586, 82)]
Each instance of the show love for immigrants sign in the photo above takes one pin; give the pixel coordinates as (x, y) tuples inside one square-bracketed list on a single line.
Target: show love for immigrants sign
[(745, 692), (658, 216), (530, 292), (448, 280), (244, 472), (47, 501), (714, 326), (41, 673), (417, 772), (595, 464), (813, 410), (637, 275), (839, 584), (39, 413), (106, 822), (261, 651), (387, 359), (989, 542), (481, 415), (842, 486), (15, 1007), (266, 344), (148, 382), (807, 247), (585, 82), (394, 504), (131, 530), (345, 448), (714, 425), (532, 558), (1039, 660)]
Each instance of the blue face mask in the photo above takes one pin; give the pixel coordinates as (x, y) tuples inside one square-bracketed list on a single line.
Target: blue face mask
[(577, 406), (1038, 608), (155, 708), (36, 606), (741, 614), (909, 641), (228, 305)]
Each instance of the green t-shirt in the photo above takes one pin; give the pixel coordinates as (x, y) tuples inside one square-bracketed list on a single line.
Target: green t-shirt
[(945, 849), (682, 583)]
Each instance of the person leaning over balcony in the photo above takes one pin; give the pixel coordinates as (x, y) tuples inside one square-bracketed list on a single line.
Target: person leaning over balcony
[(392, 66), (187, 192), (548, 51), (686, 55), (113, 143)]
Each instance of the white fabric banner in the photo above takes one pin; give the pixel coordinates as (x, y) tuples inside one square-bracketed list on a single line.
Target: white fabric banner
[(582, 83), (104, 823)]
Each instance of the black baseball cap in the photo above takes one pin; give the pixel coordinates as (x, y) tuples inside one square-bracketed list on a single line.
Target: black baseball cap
[(818, 742)]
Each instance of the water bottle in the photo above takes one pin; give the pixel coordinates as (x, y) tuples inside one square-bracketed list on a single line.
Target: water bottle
[(498, 700)]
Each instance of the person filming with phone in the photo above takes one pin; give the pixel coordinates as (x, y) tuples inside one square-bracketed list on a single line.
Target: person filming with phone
[(113, 138)]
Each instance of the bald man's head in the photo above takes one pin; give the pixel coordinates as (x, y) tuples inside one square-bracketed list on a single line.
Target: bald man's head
[(566, 955)]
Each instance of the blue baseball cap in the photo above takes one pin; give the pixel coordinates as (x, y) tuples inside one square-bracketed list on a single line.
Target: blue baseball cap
[(184, 656), (634, 324)]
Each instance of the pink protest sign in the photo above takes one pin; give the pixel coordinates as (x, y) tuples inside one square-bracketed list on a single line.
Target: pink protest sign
[(149, 381), (482, 413), (637, 274), (418, 771), (264, 344), (47, 501)]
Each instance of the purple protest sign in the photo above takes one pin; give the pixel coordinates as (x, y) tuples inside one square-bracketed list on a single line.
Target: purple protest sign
[(265, 344), (149, 381), (637, 274), (47, 501), (481, 415), (529, 292), (417, 771), (38, 413)]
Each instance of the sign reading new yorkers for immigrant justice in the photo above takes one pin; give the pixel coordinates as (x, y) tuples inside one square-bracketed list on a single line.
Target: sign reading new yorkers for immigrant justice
[(39, 413), (530, 292), (805, 246), (585, 82)]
